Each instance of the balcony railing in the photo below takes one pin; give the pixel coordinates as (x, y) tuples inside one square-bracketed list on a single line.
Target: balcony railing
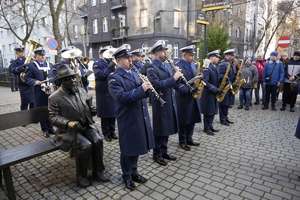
[(118, 4), (119, 33)]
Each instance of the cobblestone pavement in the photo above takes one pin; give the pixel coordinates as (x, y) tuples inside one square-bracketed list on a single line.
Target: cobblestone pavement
[(256, 158)]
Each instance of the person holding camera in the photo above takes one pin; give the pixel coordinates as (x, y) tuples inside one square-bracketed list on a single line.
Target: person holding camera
[(273, 76)]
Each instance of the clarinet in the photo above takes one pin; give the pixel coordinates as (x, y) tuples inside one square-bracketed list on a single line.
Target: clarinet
[(182, 78), (146, 80)]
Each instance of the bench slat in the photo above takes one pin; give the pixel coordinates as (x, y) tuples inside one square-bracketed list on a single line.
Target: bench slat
[(25, 117), (26, 152)]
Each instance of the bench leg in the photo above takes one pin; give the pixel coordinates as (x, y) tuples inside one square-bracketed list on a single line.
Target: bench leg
[(11, 194)]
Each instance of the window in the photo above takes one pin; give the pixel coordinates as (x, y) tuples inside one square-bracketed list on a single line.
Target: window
[(74, 5), (102, 1), (144, 18), (93, 2), (176, 50), (176, 18), (104, 25), (122, 21), (76, 35), (237, 33), (95, 26)]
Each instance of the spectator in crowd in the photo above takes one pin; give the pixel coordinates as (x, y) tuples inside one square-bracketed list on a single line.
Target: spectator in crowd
[(250, 75), (273, 76), (260, 65), (290, 86)]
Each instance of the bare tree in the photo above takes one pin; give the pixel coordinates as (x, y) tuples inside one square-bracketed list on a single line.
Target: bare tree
[(23, 13)]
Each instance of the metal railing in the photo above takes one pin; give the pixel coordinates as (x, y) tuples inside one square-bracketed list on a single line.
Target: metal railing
[(4, 78), (115, 4)]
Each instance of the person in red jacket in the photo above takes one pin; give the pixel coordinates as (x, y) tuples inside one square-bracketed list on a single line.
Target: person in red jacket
[(260, 65)]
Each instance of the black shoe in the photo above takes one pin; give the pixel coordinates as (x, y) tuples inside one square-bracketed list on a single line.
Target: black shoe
[(114, 136), (193, 143), (99, 177), (169, 157), (46, 134), (273, 108), (240, 107), (246, 108), (139, 178), (129, 184), (282, 108), (185, 147), (83, 182), (230, 122), (225, 123), (209, 132), (214, 130), (159, 160), (107, 138), (256, 103), (264, 108), (292, 109)]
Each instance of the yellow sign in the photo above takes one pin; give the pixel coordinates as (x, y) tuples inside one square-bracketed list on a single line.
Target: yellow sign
[(202, 22), (212, 8)]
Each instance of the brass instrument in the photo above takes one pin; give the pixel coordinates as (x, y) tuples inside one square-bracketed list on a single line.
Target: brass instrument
[(32, 46), (146, 80), (224, 87), (199, 84), (238, 80)]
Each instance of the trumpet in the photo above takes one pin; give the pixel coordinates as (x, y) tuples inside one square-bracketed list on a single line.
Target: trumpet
[(146, 80)]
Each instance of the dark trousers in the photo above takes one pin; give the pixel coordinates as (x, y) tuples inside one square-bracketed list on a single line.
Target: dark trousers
[(41, 99), (161, 146), (208, 121), (185, 133), (271, 91), (260, 84), (89, 147), (245, 96), (289, 95), (108, 126), (14, 83), (27, 98), (223, 112), (128, 166)]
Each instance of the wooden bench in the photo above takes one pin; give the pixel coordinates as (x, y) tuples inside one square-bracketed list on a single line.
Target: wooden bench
[(25, 152)]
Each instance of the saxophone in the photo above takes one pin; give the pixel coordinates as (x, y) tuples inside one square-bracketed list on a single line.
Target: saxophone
[(224, 88), (199, 84), (238, 81)]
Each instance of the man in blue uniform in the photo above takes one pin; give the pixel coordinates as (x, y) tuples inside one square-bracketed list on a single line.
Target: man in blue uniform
[(135, 132), (188, 107), (165, 119), (37, 72), (137, 59), (209, 105), (105, 104), (26, 91), (229, 97)]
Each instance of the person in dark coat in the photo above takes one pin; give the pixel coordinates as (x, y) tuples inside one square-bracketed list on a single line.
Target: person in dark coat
[(71, 110), (106, 106), (36, 73), (209, 105), (135, 132), (260, 65), (229, 97), (165, 119), (12, 76), (26, 91), (290, 87), (187, 106), (137, 59), (273, 77)]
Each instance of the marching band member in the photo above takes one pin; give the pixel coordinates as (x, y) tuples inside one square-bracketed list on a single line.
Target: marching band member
[(209, 105), (37, 72), (135, 132), (26, 91), (106, 106), (137, 59), (188, 107), (229, 97), (70, 110), (165, 119)]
